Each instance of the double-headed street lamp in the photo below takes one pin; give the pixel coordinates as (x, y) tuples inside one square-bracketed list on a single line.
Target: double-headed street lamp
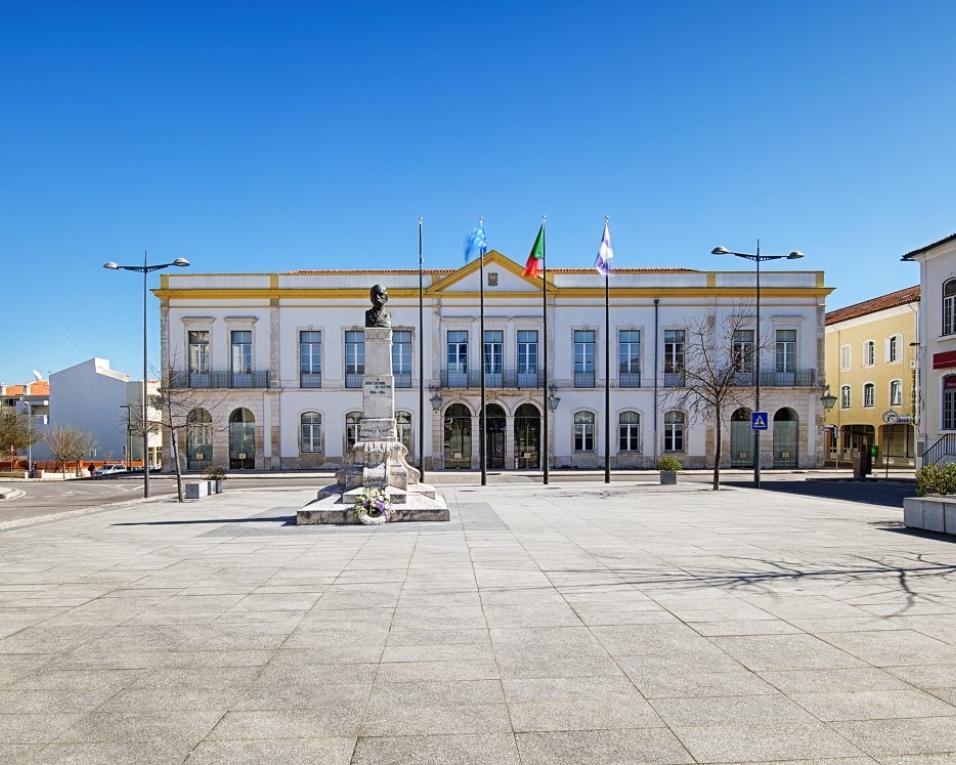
[(145, 270), (758, 259)]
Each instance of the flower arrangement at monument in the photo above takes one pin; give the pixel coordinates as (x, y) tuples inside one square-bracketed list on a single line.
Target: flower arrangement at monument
[(372, 507)]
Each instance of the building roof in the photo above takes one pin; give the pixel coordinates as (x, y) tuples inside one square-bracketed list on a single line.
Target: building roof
[(35, 388), (881, 303), (926, 248)]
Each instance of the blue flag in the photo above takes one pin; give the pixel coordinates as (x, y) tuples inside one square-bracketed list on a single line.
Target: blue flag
[(476, 243)]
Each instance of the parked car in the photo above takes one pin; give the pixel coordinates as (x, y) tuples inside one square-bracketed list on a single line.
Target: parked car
[(110, 469)]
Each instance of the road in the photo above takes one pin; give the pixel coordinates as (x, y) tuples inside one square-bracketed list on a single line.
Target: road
[(46, 497)]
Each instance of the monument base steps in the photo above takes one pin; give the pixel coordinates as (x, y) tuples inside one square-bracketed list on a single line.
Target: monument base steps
[(333, 505)]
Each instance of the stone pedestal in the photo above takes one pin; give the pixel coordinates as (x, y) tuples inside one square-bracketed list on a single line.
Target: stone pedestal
[(378, 458)]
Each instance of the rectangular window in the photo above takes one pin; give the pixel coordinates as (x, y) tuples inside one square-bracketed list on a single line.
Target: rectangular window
[(786, 350), (241, 351), (527, 357), (458, 351), (402, 358), (310, 353), (845, 397), (354, 358), (673, 432), (949, 402), (845, 358), (743, 350), (893, 349), (584, 358), (896, 393), (869, 353), (674, 357), (629, 358), (494, 343), (199, 352), (869, 395)]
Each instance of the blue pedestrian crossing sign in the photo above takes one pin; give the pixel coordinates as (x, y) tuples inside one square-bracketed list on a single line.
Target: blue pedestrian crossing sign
[(758, 421)]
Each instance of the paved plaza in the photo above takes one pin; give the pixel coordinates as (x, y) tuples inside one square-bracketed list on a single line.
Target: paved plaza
[(566, 625)]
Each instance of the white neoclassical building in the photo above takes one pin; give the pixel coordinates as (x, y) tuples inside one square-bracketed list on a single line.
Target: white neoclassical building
[(271, 365)]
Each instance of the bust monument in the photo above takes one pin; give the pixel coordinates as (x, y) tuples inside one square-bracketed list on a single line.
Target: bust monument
[(377, 315)]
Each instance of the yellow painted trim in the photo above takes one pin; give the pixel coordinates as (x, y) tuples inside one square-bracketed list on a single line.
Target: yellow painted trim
[(256, 293), (819, 278), (164, 281), (711, 279), (274, 281), (492, 257)]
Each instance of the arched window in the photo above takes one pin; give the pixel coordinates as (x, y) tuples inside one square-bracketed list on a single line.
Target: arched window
[(845, 397), (404, 422), (896, 393), (198, 439), (352, 429), (584, 431), (674, 432), (949, 307), (310, 440), (869, 395), (949, 402), (629, 432)]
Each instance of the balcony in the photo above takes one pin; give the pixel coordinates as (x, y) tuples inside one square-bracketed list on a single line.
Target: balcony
[(799, 378), (310, 379), (354, 379), (508, 378), (673, 379), (629, 379), (403, 379), (584, 379), (219, 380)]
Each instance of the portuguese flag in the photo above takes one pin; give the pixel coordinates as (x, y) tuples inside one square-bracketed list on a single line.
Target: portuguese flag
[(536, 257)]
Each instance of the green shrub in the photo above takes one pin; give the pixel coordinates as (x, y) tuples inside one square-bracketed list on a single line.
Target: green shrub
[(214, 473), (936, 479), (669, 463)]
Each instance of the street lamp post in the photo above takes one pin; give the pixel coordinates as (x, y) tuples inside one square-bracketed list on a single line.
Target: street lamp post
[(758, 259), (146, 269)]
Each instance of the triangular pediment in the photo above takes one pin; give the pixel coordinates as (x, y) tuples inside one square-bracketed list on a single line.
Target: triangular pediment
[(466, 280)]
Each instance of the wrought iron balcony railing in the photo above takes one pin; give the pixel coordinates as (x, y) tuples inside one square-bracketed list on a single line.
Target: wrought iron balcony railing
[(310, 379), (629, 379), (508, 378), (219, 380), (799, 378)]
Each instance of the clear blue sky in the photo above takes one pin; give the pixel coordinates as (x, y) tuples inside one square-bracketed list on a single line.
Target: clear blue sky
[(274, 136)]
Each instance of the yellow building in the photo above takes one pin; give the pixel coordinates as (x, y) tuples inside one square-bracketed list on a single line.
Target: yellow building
[(871, 369)]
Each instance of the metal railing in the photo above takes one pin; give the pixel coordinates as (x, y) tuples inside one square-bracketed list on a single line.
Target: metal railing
[(799, 378), (310, 379), (219, 380), (403, 379), (944, 447), (629, 379), (584, 379), (673, 379), (354, 379), (508, 378)]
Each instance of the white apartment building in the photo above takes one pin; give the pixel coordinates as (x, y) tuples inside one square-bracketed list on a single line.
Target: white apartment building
[(936, 431), (94, 397), (269, 366)]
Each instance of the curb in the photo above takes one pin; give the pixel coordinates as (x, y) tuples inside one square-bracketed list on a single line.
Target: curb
[(38, 520)]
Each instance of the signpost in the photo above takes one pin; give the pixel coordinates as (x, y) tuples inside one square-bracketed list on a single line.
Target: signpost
[(758, 421)]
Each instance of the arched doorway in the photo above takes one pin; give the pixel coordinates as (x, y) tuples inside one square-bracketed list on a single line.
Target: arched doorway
[(527, 437), (741, 439), (495, 437), (242, 440), (198, 439), (786, 427), (457, 437)]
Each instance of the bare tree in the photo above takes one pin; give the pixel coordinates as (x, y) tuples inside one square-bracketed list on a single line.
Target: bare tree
[(168, 413), (69, 445), (718, 371)]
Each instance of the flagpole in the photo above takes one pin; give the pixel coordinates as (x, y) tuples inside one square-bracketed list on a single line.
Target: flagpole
[(607, 374), (482, 418), (421, 350), (544, 324)]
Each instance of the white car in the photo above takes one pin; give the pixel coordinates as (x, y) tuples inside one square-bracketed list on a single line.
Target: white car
[(110, 469)]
